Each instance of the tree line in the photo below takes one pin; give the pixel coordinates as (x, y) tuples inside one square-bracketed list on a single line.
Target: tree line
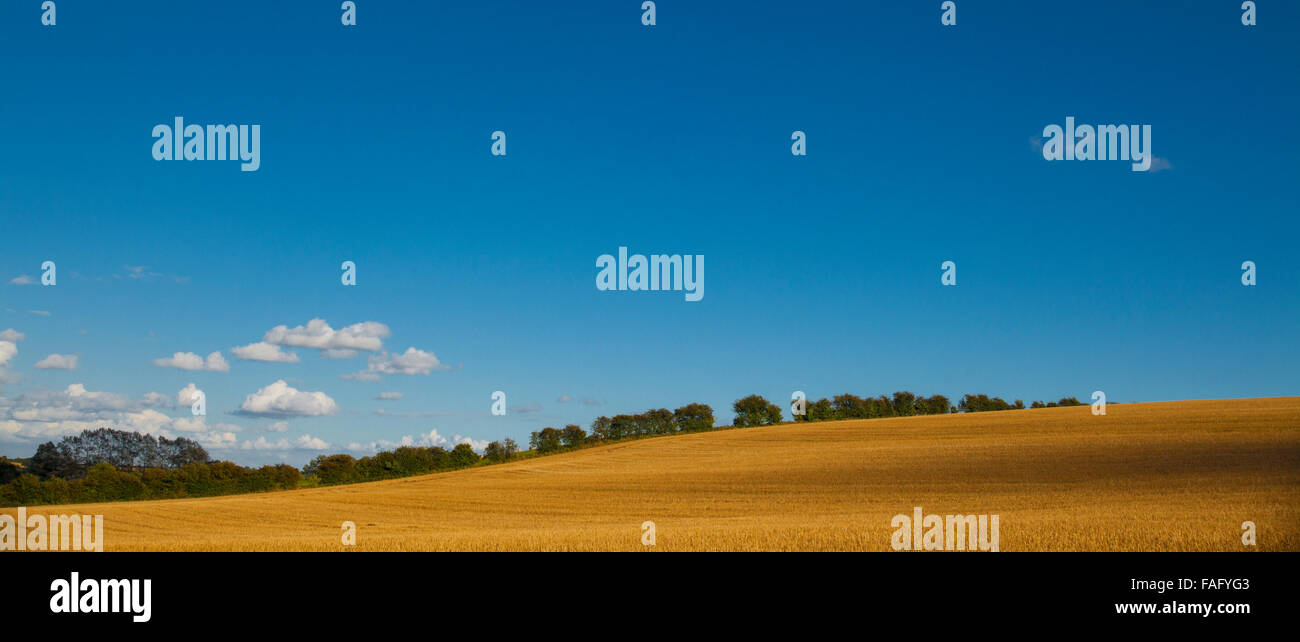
[(404, 461), (692, 417), (754, 410)]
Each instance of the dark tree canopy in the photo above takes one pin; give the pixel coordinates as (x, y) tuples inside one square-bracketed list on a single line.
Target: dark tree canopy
[(71, 457)]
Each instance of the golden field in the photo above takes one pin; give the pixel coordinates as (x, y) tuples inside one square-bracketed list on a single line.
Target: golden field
[(1172, 476)]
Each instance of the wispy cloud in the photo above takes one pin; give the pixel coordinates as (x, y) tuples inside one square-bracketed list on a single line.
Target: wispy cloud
[(58, 362), (263, 351)]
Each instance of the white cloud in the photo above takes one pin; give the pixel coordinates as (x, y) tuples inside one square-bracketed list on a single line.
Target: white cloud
[(278, 426), (526, 408), (44, 415), (304, 442), (477, 444), (338, 353), (263, 351), (190, 361), (367, 335), (408, 363), (41, 313), (188, 395), (281, 400), (564, 399), (411, 362), (217, 363), (8, 350), (156, 400), (307, 442), (58, 362), (214, 440), (190, 424), (22, 279), (432, 438), (181, 360), (389, 396)]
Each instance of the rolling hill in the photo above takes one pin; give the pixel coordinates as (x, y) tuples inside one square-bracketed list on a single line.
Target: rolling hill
[(1152, 476)]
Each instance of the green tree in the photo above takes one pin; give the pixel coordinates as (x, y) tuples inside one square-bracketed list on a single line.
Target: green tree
[(546, 440), (500, 451), (573, 436), (334, 469), (694, 416), (904, 404), (463, 455), (754, 410)]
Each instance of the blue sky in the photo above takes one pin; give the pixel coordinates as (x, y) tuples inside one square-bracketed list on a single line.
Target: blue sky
[(822, 271)]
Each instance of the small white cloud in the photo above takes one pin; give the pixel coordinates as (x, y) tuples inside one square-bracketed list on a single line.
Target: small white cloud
[(217, 363), (8, 350), (58, 362), (190, 361), (564, 399), (411, 362), (263, 351), (281, 400), (526, 408), (304, 442), (426, 440), (1160, 164), (478, 445), (22, 279), (42, 313), (188, 395), (367, 335), (307, 442), (389, 396), (156, 400), (12, 335), (279, 426)]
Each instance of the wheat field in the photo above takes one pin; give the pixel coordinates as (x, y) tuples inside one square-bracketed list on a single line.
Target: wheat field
[(1170, 476)]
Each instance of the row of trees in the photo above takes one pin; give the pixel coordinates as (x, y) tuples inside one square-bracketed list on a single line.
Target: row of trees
[(660, 421), (848, 406), (405, 461), (983, 403), (104, 482)]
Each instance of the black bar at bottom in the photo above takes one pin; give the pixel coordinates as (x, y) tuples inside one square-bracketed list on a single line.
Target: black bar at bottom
[(244, 592)]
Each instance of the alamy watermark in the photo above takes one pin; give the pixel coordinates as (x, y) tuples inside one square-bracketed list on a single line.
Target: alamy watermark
[(75, 595), (1103, 142), (51, 532), (922, 532), (659, 272), (213, 142)]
